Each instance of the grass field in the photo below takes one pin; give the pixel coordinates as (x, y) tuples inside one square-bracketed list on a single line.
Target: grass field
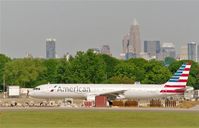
[(98, 119)]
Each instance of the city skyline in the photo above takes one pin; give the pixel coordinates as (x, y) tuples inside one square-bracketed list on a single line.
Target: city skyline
[(78, 26)]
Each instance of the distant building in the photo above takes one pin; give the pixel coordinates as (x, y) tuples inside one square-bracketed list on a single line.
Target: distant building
[(125, 44), (106, 50), (123, 56), (131, 43), (130, 55), (192, 49), (127, 48), (96, 50), (168, 50), (134, 39), (50, 48), (28, 55), (67, 56), (146, 56), (152, 48), (183, 53)]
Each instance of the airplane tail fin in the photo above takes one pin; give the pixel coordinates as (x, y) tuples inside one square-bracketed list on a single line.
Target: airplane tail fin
[(177, 83)]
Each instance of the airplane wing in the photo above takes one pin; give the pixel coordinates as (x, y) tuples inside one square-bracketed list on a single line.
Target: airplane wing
[(111, 94)]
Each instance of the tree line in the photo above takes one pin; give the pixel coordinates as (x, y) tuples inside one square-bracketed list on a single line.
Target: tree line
[(89, 67)]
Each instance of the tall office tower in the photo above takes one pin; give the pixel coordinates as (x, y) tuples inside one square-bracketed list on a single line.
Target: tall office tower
[(127, 48), (125, 44), (50, 48), (192, 51), (106, 50), (183, 53), (134, 39), (152, 48), (168, 50), (29, 55)]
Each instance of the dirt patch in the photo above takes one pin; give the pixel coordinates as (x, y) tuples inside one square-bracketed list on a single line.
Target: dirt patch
[(188, 104)]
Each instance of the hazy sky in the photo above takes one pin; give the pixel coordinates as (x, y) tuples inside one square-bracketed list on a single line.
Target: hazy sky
[(79, 25)]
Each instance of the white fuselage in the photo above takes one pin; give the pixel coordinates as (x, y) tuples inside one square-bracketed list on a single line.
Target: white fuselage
[(89, 91)]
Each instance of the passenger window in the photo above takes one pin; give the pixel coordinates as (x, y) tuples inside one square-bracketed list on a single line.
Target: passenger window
[(36, 88)]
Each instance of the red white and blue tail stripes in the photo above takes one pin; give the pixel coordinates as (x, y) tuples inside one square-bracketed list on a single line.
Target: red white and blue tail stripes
[(177, 83)]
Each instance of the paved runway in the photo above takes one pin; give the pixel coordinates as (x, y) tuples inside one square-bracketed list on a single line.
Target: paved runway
[(194, 109)]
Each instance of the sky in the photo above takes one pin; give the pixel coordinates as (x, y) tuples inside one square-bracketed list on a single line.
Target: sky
[(80, 25)]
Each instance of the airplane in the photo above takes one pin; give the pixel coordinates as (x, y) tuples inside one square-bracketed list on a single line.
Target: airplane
[(176, 85)]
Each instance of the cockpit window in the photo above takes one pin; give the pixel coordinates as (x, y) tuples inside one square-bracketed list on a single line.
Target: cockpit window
[(36, 88)]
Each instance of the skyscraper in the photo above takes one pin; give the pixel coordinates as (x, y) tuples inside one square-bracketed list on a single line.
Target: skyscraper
[(106, 50), (125, 44), (134, 39), (183, 53), (192, 51), (127, 48), (50, 48), (152, 48), (168, 50)]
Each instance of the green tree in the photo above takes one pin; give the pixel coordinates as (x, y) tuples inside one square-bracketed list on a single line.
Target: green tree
[(64, 72), (119, 80), (168, 61), (3, 60), (50, 73), (88, 67), (140, 65), (125, 69), (110, 63), (23, 72), (156, 73)]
